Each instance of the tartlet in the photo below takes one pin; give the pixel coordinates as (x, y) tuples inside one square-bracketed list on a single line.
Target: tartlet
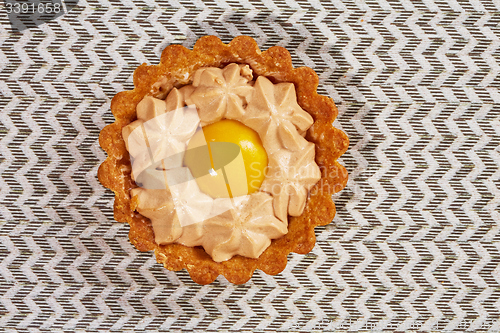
[(176, 69)]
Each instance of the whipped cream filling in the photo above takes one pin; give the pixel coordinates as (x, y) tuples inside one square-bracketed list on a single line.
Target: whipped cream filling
[(160, 132), (274, 113), (169, 196), (245, 229), (221, 93), (291, 174)]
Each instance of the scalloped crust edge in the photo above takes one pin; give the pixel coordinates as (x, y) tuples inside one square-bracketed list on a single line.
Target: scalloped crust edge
[(157, 80)]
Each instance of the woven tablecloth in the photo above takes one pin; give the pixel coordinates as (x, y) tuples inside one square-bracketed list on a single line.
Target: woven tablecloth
[(415, 244)]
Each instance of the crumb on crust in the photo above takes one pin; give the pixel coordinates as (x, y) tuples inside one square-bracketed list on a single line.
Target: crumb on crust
[(157, 80)]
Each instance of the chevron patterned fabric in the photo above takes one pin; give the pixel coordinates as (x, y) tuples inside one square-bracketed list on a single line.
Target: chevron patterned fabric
[(415, 245)]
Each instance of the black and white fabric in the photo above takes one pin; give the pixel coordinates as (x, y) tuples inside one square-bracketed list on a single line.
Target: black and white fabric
[(415, 244)]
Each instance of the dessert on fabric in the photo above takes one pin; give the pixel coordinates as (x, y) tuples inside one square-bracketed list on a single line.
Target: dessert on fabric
[(223, 159)]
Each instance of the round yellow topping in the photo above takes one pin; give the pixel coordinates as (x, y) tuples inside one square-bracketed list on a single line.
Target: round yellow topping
[(232, 164)]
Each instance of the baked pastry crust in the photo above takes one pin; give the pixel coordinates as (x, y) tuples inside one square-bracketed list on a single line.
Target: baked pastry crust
[(176, 67)]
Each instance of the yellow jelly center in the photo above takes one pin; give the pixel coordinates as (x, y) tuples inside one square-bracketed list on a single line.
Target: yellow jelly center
[(227, 159)]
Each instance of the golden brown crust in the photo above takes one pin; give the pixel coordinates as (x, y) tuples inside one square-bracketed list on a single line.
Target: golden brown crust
[(157, 80)]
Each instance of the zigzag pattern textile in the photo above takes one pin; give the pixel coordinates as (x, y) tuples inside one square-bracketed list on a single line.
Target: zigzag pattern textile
[(415, 244)]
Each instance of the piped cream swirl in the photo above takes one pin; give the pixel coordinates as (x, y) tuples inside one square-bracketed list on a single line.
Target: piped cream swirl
[(249, 223)]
